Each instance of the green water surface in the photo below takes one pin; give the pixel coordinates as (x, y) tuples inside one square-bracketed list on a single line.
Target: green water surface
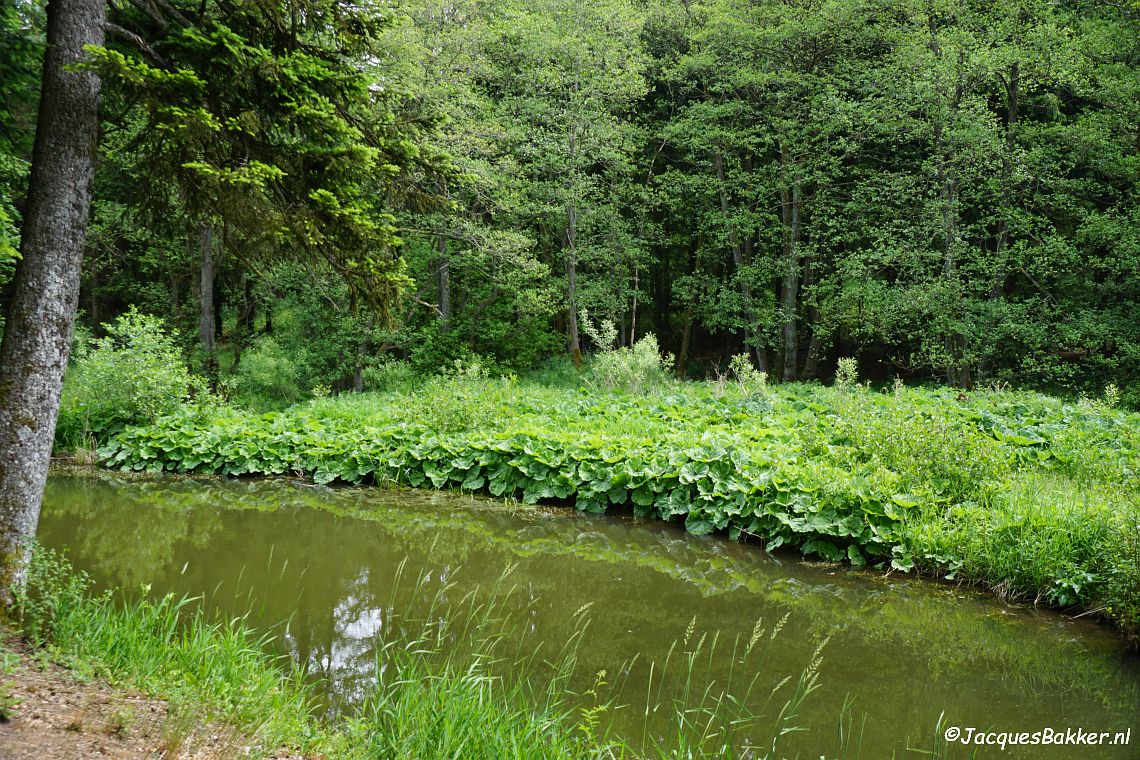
[(317, 566)]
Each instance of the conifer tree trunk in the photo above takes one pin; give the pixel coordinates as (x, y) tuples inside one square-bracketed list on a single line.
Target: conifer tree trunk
[(41, 314)]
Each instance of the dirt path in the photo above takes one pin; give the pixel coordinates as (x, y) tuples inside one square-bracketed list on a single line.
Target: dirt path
[(52, 714)]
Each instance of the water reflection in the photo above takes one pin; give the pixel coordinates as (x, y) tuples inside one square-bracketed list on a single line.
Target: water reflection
[(322, 564)]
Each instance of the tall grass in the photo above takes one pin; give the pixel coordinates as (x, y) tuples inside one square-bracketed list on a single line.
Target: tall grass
[(712, 719), (169, 647), (448, 680), (454, 680)]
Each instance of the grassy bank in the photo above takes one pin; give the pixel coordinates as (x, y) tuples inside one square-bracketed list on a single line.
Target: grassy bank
[(439, 690), (1024, 493), (221, 671)]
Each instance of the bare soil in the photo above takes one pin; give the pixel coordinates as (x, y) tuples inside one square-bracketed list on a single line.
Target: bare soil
[(54, 714)]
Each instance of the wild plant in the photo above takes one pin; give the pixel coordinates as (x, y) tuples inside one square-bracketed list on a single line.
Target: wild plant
[(132, 376), (748, 378), (388, 374), (603, 332), (847, 373), (632, 369)]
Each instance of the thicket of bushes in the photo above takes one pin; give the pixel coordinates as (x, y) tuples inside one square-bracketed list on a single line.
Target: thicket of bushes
[(133, 375)]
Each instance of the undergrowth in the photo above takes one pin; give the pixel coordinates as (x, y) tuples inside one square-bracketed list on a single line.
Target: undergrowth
[(1021, 492)]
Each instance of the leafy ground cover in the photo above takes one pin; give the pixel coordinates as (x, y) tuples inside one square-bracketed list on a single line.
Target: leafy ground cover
[(1027, 494)]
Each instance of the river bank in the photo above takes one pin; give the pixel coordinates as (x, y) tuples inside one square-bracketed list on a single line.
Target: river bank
[(51, 711), (337, 574), (1021, 493)]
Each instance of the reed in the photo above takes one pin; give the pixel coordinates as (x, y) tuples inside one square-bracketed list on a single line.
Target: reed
[(455, 679)]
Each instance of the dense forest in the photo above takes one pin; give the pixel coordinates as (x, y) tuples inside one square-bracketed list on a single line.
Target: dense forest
[(307, 191), (626, 303)]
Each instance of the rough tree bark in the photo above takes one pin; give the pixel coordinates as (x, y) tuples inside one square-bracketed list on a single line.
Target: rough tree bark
[(573, 339), (953, 342), (574, 342), (247, 316), (815, 344), (41, 314), (686, 337), (443, 268), (687, 329), (633, 311)]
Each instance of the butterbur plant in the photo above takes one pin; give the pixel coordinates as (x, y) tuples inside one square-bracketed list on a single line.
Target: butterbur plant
[(840, 475)]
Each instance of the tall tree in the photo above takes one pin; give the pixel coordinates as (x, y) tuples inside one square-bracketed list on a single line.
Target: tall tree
[(21, 58), (281, 128), (41, 315), (566, 75), (479, 280)]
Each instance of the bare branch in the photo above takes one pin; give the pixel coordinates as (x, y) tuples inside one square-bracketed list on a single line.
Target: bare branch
[(151, 13), (432, 306), (137, 41), (170, 11)]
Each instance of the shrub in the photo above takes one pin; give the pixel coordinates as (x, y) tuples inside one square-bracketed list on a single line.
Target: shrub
[(464, 398), (847, 374), (269, 376), (630, 369), (132, 376), (388, 374), (1122, 592), (1130, 397), (436, 352), (633, 369), (603, 333), (751, 380)]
